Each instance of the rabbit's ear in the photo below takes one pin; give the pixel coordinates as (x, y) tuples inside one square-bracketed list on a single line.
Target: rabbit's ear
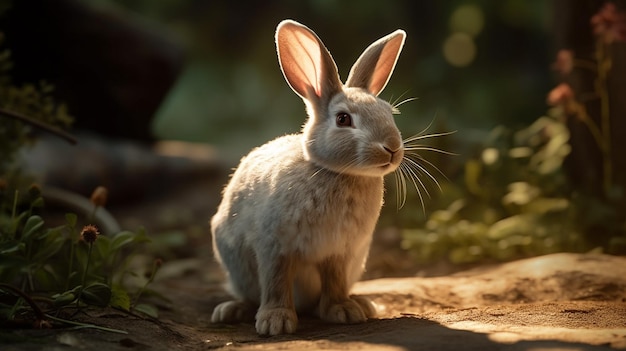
[(373, 69), (306, 63)]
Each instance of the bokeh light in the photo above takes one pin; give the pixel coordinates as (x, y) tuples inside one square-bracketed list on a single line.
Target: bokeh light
[(468, 19), (459, 49)]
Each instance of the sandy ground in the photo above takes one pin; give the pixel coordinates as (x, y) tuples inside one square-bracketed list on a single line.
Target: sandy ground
[(555, 302)]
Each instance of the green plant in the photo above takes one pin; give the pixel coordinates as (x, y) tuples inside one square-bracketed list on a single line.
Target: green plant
[(515, 199), (512, 202), (64, 266)]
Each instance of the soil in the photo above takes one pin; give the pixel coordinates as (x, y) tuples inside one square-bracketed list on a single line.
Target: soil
[(555, 302)]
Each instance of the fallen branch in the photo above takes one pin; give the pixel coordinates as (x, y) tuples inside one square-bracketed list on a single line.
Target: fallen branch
[(41, 125)]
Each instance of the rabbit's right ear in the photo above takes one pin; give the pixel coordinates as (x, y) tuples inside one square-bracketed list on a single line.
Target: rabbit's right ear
[(305, 62), (374, 67)]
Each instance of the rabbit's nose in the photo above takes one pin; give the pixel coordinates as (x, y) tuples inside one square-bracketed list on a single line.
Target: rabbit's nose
[(389, 150), (392, 145)]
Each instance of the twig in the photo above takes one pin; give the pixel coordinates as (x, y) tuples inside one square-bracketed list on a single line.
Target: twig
[(38, 312), (79, 325), (41, 125), (42, 318)]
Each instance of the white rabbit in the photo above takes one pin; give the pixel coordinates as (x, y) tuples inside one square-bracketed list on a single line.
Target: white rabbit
[(295, 224)]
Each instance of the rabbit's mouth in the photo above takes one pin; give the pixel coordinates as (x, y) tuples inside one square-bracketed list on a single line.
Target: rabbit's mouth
[(373, 170), (385, 168), (388, 168)]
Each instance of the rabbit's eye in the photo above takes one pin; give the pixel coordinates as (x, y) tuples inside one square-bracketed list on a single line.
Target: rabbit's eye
[(344, 119)]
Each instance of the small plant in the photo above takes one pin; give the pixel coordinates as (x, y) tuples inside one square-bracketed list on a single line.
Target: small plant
[(22, 107), (64, 267), (609, 28)]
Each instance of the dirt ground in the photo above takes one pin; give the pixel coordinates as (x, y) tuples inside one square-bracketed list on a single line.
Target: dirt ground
[(555, 302)]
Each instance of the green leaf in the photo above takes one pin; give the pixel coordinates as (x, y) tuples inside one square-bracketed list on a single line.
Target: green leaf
[(11, 267), (120, 298), (97, 294), (46, 278), (16, 222), (10, 247), (146, 309), (473, 171), (121, 239), (52, 245), (64, 299), (103, 246), (38, 203), (142, 236), (33, 224), (71, 219)]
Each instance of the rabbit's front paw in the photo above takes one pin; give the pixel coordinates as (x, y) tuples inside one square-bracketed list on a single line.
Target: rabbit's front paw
[(233, 311), (276, 321), (352, 310)]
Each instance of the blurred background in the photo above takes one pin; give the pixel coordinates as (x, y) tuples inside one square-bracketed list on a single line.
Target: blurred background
[(472, 65), (530, 176)]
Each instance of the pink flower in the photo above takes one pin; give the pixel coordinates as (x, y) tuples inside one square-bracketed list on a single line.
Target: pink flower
[(609, 24), (561, 95), (564, 63)]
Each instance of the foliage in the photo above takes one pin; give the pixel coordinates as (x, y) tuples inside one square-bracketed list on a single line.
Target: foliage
[(64, 265), (32, 100), (61, 266), (516, 199), (512, 202)]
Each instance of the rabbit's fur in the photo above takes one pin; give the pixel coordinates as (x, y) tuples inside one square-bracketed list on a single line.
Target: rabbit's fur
[(296, 221)]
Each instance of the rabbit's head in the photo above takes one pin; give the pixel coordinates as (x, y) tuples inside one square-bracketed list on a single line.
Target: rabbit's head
[(349, 129)]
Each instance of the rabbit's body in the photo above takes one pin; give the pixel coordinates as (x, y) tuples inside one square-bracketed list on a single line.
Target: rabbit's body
[(279, 209), (297, 217)]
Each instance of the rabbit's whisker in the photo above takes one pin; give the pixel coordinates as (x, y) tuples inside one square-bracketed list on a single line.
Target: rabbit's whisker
[(317, 172), (400, 188), (412, 172), (422, 169), (395, 104), (409, 172), (418, 147), (417, 169), (421, 136)]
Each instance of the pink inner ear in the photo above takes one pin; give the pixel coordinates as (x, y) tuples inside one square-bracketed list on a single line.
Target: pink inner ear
[(385, 66), (301, 60)]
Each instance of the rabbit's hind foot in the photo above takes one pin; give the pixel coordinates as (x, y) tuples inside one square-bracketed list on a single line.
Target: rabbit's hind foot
[(234, 311), (355, 309)]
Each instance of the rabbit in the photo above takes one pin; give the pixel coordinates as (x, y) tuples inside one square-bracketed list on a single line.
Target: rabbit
[(296, 220)]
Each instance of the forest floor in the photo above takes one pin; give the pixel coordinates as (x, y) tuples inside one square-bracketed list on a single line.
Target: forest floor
[(554, 302)]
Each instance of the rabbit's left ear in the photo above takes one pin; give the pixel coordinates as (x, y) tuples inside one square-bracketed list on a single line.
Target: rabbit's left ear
[(373, 69), (306, 63)]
